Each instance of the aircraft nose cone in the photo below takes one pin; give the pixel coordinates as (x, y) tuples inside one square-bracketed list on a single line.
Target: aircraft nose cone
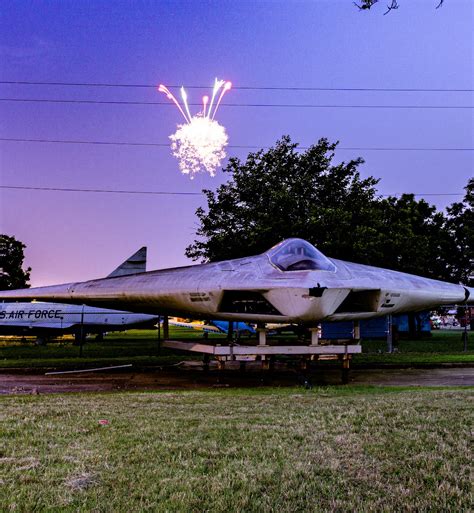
[(470, 295)]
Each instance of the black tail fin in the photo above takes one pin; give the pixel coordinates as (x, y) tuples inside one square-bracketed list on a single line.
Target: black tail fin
[(133, 265)]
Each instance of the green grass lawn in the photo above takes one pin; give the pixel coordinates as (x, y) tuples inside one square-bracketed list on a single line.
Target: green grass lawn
[(338, 449), (442, 347), (445, 341), (140, 348)]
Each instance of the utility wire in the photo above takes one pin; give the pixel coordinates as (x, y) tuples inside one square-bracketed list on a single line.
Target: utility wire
[(108, 191), (171, 193), (249, 88), (273, 105), (247, 147)]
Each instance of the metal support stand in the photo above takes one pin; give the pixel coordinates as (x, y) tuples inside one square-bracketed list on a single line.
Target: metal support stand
[(166, 328), (346, 363), (205, 362), (304, 364), (262, 337), (356, 331), (314, 336), (264, 350)]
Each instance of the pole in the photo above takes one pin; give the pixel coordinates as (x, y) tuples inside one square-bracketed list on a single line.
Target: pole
[(464, 335), (230, 331), (389, 334), (81, 341), (159, 334), (230, 339)]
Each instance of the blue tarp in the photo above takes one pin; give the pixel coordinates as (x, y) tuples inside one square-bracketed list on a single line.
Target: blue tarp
[(374, 328), (371, 328)]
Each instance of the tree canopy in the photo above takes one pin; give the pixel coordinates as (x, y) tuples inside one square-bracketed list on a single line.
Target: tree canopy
[(12, 275), (283, 192), (460, 223)]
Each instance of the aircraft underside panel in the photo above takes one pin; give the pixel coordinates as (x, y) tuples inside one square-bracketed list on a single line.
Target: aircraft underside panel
[(360, 301), (246, 302)]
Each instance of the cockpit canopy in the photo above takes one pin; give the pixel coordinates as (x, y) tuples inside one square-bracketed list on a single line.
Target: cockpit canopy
[(299, 255)]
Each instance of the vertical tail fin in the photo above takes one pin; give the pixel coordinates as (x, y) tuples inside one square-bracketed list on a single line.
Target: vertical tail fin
[(133, 265)]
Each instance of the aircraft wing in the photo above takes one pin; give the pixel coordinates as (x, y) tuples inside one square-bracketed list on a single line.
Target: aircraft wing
[(195, 326), (50, 325)]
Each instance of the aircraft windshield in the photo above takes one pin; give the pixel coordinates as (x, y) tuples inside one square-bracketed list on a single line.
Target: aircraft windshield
[(299, 255)]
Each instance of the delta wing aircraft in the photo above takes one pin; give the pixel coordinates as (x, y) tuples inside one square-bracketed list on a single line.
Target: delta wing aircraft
[(293, 282), (45, 320)]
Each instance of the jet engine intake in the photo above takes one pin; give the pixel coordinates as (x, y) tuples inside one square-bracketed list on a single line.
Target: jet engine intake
[(246, 302), (360, 301)]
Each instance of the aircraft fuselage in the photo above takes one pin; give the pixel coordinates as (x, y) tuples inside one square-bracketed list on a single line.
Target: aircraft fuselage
[(291, 283)]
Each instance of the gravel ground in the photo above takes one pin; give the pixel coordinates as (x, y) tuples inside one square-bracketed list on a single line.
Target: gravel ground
[(190, 376)]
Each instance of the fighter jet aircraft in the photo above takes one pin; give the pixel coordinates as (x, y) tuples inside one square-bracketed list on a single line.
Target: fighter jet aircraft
[(46, 320), (293, 282)]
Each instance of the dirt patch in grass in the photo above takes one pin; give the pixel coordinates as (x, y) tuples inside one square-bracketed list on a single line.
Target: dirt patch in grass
[(82, 482), (191, 376)]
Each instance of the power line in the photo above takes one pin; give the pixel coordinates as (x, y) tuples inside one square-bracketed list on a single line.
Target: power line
[(171, 193), (247, 147), (108, 191), (272, 105), (105, 143), (249, 88)]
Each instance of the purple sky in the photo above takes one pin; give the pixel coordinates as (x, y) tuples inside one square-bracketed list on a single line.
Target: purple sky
[(324, 43)]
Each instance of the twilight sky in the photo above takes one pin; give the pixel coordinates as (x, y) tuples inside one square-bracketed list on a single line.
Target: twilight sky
[(308, 43)]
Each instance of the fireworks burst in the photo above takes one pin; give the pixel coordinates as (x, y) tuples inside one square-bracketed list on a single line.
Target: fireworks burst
[(199, 143)]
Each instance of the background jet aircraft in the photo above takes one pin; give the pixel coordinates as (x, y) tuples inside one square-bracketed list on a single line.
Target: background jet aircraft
[(214, 326), (53, 319), (293, 282), (46, 320)]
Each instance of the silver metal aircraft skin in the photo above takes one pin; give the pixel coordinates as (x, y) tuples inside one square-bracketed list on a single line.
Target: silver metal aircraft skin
[(52, 319), (293, 282)]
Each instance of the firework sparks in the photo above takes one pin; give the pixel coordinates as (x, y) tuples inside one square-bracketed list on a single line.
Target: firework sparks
[(199, 144)]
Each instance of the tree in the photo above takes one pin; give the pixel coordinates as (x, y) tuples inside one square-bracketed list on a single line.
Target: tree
[(460, 224), (413, 238), (12, 275), (284, 193), (365, 5)]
